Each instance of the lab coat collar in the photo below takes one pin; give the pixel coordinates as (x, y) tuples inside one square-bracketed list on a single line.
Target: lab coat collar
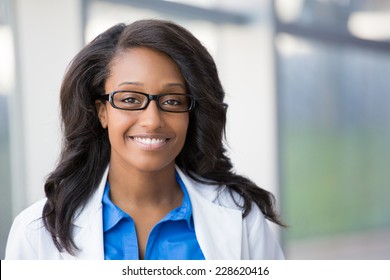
[(88, 227), (218, 228)]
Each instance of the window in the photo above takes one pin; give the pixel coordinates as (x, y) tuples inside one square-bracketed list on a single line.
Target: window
[(334, 123), (7, 84)]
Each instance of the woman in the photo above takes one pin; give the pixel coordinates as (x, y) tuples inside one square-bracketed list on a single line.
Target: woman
[(143, 172)]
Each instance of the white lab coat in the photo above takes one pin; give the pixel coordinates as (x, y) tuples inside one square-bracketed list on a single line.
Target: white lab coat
[(221, 231)]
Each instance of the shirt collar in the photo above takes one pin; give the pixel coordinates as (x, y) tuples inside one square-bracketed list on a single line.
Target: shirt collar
[(185, 210), (112, 214)]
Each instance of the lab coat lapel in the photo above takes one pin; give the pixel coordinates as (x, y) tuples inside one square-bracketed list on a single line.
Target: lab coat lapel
[(88, 227), (218, 229), (89, 239)]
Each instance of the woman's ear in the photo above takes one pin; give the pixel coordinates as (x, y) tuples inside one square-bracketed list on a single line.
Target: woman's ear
[(102, 112)]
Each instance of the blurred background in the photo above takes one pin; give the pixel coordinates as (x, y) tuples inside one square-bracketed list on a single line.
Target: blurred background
[(307, 83)]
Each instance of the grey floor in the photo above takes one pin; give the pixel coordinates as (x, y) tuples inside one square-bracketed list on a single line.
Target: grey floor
[(366, 245)]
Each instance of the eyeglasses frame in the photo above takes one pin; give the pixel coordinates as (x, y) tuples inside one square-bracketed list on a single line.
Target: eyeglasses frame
[(110, 98)]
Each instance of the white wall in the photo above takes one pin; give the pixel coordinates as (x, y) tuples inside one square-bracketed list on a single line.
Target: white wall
[(49, 34), (247, 73)]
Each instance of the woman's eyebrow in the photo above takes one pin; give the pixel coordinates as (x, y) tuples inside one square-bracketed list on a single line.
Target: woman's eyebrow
[(131, 83), (168, 85)]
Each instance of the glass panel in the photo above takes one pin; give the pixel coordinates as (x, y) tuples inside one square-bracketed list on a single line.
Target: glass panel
[(365, 19), (7, 73), (102, 15), (197, 3), (335, 132)]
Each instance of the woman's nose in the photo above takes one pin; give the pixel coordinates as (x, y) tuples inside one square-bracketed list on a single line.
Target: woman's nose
[(151, 116)]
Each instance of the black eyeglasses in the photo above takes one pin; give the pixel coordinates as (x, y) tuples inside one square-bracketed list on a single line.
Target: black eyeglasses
[(135, 100)]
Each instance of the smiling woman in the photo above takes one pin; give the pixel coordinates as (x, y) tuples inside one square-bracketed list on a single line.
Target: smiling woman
[(142, 126), (143, 172)]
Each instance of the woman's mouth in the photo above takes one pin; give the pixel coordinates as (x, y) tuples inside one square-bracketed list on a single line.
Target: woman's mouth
[(149, 143)]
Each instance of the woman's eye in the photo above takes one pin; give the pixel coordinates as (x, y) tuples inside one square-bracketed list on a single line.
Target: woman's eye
[(171, 102), (131, 100)]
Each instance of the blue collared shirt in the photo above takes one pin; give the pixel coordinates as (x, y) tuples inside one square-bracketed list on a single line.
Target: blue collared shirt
[(172, 238)]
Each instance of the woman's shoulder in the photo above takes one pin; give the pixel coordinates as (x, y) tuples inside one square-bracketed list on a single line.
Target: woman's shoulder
[(213, 193), (223, 196), (30, 215), (27, 233)]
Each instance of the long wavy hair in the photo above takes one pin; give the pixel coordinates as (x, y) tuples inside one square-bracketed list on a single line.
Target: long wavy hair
[(85, 152)]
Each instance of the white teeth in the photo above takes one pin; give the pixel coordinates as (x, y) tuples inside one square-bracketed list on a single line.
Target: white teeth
[(149, 141)]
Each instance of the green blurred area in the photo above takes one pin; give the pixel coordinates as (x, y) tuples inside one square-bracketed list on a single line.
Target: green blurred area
[(335, 180)]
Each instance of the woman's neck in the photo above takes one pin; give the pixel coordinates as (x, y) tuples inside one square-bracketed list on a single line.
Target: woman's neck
[(143, 188)]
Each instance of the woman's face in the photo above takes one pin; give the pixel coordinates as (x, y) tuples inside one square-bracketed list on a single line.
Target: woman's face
[(146, 140)]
